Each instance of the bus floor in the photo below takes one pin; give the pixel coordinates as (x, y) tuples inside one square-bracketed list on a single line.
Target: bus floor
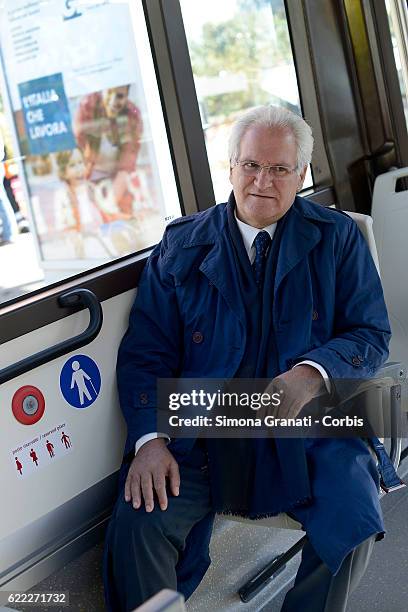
[(244, 549)]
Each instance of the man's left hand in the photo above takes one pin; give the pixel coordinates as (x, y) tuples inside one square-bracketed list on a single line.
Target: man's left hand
[(296, 388)]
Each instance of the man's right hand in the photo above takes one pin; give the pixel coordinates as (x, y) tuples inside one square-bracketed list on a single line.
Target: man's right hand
[(148, 472)]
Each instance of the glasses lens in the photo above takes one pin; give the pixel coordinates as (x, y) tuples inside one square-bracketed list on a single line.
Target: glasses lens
[(250, 168), (280, 172), (277, 172)]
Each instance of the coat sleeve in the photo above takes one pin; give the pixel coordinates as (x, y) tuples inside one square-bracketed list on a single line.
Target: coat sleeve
[(151, 347), (361, 330)]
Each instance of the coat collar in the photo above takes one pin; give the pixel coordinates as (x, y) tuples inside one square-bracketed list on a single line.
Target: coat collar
[(213, 221), (300, 236)]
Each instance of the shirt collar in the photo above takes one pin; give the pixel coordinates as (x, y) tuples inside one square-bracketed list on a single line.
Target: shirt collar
[(249, 233)]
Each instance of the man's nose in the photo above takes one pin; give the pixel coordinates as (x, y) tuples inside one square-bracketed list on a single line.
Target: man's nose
[(264, 178)]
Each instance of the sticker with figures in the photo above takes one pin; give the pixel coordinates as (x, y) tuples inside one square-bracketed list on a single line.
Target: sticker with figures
[(41, 450)]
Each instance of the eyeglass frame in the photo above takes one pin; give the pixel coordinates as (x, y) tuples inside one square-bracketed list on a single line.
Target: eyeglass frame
[(261, 167)]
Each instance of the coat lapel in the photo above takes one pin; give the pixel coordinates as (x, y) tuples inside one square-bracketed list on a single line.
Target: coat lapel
[(219, 264), (219, 267), (300, 236)]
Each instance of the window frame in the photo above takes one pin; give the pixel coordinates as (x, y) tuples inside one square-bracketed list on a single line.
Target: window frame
[(188, 153)]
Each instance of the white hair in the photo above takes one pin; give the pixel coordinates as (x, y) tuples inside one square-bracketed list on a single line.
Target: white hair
[(273, 117)]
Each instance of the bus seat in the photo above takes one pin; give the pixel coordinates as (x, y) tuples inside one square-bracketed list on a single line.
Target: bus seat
[(280, 521), (390, 223), (365, 225)]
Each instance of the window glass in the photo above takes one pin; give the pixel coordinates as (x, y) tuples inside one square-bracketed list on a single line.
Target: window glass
[(87, 155), (398, 20), (241, 57)]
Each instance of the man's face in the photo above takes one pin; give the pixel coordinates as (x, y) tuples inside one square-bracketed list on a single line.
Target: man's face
[(262, 199), (115, 100)]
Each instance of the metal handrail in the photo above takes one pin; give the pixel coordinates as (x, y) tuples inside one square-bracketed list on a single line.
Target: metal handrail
[(74, 298)]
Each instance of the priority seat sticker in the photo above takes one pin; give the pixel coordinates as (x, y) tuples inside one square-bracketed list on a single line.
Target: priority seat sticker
[(80, 381), (41, 450)]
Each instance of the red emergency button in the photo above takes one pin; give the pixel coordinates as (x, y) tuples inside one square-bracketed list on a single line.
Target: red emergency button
[(28, 405)]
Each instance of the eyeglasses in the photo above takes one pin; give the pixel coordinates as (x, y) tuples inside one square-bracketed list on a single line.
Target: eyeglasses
[(250, 168)]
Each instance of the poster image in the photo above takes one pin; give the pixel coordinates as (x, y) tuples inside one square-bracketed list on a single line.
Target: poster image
[(96, 198), (87, 129)]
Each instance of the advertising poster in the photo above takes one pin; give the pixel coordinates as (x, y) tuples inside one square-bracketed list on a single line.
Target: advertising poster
[(84, 128)]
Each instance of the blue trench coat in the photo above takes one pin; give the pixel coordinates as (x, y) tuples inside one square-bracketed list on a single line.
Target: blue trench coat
[(328, 307)]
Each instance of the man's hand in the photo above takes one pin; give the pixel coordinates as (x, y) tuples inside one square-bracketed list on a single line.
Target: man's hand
[(148, 472), (297, 387)]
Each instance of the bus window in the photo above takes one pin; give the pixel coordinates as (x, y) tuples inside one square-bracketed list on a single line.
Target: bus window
[(241, 57), (86, 138), (397, 12)]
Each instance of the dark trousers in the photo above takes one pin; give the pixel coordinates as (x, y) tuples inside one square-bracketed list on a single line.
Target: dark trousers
[(317, 590), (144, 549)]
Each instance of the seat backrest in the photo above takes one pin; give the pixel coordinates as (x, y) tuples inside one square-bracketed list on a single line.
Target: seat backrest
[(390, 224), (365, 225)]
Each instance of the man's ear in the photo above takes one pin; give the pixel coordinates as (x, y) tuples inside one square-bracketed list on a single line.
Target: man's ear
[(230, 175), (301, 178)]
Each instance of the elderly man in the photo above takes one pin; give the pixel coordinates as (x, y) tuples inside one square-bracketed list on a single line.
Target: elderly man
[(266, 285)]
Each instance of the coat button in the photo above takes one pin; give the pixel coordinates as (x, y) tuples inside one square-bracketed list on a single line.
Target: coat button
[(355, 361), (197, 337), (315, 315), (144, 398)]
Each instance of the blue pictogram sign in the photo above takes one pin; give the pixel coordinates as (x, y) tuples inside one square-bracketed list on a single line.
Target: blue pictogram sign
[(80, 381)]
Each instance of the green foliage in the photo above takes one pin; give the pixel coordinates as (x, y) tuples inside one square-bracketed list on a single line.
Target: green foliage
[(250, 5), (243, 45), (225, 104)]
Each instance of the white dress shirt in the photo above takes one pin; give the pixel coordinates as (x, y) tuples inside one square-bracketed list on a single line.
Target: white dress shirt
[(248, 234)]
